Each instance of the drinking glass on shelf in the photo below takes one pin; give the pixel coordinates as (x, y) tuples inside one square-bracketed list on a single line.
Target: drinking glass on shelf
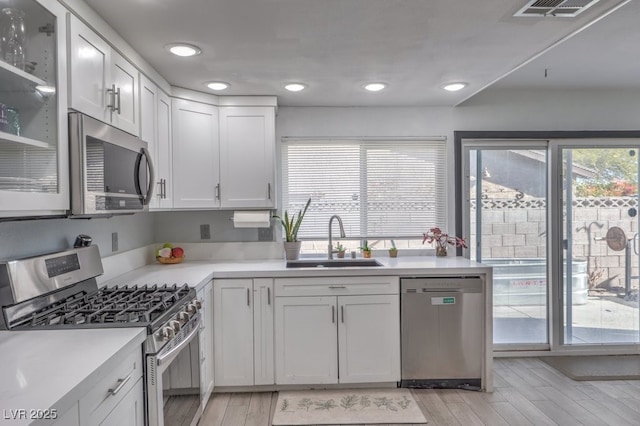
[(13, 121), (13, 37)]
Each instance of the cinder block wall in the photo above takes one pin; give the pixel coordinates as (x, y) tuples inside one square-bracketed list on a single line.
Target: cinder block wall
[(517, 229)]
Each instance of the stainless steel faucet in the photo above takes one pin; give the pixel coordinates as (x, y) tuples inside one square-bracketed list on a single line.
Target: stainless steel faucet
[(342, 234)]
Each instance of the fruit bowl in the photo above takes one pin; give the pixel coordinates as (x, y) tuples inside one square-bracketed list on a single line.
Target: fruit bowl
[(169, 260)]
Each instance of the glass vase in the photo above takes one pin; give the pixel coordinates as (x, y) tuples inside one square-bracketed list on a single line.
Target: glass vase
[(441, 251), (13, 37)]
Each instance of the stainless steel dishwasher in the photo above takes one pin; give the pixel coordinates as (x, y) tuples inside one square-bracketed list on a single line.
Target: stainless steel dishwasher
[(441, 332)]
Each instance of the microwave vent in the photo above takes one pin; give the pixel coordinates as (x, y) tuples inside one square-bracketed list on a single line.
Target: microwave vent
[(555, 8)]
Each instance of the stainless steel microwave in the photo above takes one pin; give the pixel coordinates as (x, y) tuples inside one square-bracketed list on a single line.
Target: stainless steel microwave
[(111, 170)]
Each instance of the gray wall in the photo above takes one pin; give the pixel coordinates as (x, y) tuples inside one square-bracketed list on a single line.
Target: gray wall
[(540, 109), (494, 109), (30, 237), (185, 227)]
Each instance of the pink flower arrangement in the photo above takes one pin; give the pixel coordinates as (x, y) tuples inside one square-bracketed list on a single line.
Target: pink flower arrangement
[(435, 235)]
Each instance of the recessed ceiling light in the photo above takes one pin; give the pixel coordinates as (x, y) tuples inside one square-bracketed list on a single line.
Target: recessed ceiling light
[(295, 87), (375, 87), (218, 85), (454, 87), (183, 49)]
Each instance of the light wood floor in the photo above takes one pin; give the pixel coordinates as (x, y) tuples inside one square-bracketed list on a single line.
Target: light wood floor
[(527, 392)]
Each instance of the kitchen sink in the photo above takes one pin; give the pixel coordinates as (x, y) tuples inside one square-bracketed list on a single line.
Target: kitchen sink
[(331, 263)]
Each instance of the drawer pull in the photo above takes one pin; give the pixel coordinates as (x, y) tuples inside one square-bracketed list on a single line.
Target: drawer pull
[(337, 286), (121, 383)]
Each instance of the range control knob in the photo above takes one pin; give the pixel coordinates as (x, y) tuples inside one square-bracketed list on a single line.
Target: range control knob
[(175, 325), (183, 316), (198, 304), (167, 333), (192, 308)]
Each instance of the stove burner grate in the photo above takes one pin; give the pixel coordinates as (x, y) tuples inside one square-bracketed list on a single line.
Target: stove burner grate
[(113, 305)]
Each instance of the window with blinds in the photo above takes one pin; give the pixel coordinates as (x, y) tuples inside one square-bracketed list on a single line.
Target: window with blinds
[(380, 189)]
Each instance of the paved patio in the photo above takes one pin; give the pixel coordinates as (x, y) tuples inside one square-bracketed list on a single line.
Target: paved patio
[(603, 319)]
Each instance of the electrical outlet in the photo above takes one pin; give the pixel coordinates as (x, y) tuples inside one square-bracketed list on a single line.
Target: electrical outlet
[(205, 232), (265, 234), (114, 241)]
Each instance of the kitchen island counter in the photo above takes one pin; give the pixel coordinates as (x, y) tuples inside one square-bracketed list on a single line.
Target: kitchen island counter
[(46, 370)]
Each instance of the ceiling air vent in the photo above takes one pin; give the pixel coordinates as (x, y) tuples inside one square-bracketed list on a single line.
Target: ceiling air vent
[(559, 8)]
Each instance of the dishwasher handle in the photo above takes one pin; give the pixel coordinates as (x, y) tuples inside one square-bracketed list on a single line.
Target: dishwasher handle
[(440, 290)]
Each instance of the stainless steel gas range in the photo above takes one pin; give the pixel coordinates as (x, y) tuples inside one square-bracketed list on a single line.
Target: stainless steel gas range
[(60, 291)]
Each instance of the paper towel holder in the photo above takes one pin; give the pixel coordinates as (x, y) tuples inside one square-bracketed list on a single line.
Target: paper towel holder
[(251, 219)]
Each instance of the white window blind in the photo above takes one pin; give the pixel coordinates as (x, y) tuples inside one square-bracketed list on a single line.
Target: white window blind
[(389, 189)]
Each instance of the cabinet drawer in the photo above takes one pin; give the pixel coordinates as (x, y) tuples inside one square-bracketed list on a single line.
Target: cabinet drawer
[(100, 400), (336, 286)]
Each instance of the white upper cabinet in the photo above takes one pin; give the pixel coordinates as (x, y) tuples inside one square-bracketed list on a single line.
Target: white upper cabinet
[(196, 172), (247, 151), (103, 84), (155, 129), (34, 155), (223, 157)]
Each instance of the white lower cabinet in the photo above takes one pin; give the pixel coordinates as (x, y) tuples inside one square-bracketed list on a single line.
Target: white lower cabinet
[(337, 335), (205, 295), (129, 411), (243, 332), (68, 418), (306, 343), (118, 398)]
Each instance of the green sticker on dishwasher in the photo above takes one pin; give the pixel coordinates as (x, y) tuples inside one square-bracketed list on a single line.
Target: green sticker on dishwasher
[(443, 300)]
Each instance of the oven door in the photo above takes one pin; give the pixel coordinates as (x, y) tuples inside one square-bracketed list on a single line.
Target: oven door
[(173, 380)]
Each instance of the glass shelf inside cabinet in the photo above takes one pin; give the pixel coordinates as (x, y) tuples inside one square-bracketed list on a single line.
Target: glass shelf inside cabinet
[(29, 113)]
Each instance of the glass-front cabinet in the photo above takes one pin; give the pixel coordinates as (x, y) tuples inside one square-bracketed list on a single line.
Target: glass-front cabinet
[(34, 175)]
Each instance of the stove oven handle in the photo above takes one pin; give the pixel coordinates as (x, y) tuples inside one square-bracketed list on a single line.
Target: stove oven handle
[(169, 356)]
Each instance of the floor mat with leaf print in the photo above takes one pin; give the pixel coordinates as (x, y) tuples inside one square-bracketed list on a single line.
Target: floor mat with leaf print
[(318, 407)]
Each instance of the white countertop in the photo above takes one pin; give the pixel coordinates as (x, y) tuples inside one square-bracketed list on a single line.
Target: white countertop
[(52, 369), (196, 273)]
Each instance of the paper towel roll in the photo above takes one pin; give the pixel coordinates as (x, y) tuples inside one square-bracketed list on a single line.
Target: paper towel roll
[(252, 219)]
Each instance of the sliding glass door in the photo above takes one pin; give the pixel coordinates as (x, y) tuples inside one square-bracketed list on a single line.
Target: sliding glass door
[(507, 227), (558, 221), (600, 230)]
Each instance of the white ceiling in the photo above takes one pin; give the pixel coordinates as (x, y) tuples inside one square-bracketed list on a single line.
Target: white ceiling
[(415, 46)]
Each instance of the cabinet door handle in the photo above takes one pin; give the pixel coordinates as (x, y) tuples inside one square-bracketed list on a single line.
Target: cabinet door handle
[(268, 295), (248, 297), (160, 190), (217, 191), (269, 190), (342, 313), (117, 94), (112, 98), (333, 314), (164, 188), (118, 388)]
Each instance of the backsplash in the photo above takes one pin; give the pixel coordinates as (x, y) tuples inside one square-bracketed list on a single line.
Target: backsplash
[(185, 226), (31, 237)]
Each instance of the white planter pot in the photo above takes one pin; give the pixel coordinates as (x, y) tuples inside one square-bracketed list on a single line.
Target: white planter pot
[(292, 250)]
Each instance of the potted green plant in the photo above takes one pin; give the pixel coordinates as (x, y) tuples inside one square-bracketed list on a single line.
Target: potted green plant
[(366, 250), (291, 225), (393, 251), (340, 249)]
